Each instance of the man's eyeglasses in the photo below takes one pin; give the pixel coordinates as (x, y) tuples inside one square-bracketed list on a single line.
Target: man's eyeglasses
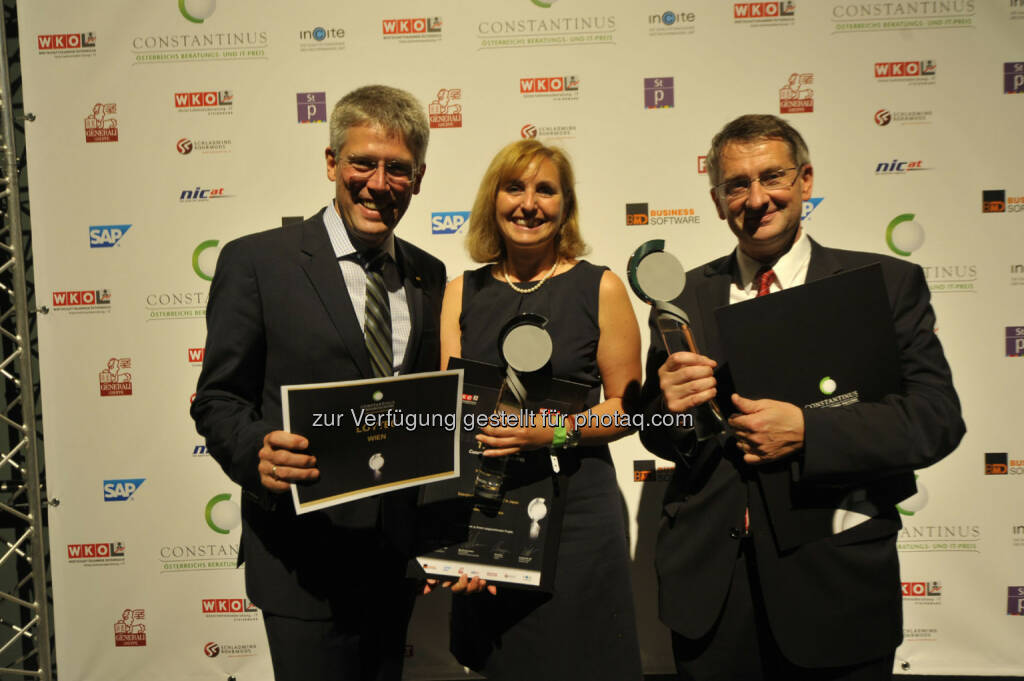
[(399, 173), (770, 180)]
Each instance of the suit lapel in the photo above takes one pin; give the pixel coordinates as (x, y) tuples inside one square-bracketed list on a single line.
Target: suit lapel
[(325, 274), (823, 262), (712, 293), (414, 296)]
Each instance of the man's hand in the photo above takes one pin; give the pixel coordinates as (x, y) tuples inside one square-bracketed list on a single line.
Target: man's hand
[(280, 466), (687, 380), (767, 430)]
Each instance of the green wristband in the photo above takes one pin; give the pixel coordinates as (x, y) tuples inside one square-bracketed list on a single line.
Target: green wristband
[(559, 437)]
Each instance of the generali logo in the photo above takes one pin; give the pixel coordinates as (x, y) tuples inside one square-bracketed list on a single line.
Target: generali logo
[(129, 630), (100, 125)]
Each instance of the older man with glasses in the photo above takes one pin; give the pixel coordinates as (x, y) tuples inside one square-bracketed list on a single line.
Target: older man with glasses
[(337, 297), (742, 605)]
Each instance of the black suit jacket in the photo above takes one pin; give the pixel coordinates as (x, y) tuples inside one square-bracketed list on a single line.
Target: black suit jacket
[(833, 600), (279, 313)]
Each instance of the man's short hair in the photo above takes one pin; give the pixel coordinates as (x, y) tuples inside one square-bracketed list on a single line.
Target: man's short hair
[(484, 241), (752, 127), (396, 111)]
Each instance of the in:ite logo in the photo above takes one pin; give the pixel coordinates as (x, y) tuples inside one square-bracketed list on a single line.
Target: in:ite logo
[(996, 463)]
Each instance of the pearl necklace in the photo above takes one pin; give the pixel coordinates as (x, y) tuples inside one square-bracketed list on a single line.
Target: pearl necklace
[(529, 289)]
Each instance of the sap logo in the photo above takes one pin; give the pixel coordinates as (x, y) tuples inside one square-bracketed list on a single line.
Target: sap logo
[(448, 223), (121, 490), (809, 206), (105, 236)]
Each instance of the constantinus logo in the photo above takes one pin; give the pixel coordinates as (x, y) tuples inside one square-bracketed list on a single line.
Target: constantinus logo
[(105, 236), (121, 489), (449, 222)]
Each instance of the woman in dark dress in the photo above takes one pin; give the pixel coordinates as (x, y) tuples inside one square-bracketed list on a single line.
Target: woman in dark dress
[(525, 222)]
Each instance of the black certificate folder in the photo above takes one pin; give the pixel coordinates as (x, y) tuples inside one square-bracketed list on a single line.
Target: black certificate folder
[(375, 435), (827, 343)]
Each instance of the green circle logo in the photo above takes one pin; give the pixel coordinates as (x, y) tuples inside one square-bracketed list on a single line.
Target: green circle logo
[(827, 385), (904, 235), (197, 11), (542, 3), (222, 514), (204, 259)]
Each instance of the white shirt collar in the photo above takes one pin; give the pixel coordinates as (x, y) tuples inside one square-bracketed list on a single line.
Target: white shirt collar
[(341, 240), (790, 269)]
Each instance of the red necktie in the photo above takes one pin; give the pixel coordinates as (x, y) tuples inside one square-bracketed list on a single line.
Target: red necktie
[(765, 277)]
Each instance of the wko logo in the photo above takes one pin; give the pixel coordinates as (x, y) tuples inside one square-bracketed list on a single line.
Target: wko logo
[(105, 236), (195, 356), (762, 10), (228, 605), (448, 222), (420, 27), (89, 552), (921, 589), (203, 100), (549, 85), (81, 299), (66, 42), (121, 489), (905, 69)]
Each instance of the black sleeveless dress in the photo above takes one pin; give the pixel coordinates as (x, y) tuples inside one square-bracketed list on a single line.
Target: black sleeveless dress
[(587, 628)]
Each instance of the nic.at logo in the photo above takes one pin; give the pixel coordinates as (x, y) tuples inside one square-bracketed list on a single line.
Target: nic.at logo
[(121, 489), (105, 236), (449, 222)]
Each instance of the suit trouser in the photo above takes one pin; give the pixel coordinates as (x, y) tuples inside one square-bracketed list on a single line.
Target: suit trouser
[(366, 642), (740, 646)]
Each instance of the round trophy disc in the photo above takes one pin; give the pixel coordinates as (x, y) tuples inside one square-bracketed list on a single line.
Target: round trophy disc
[(661, 276), (526, 348)]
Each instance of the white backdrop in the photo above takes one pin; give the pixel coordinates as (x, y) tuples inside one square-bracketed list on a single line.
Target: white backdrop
[(909, 107)]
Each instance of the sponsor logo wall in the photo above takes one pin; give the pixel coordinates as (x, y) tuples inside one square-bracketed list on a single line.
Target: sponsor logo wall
[(169, 128)]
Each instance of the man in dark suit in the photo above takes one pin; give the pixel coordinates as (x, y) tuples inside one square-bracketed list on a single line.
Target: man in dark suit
[(750, 589), (290, 305)]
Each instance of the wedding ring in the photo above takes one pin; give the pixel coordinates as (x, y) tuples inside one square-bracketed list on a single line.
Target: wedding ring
[(273, 471)]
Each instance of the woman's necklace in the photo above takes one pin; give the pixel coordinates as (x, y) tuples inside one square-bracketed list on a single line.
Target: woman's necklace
[(529, 289)]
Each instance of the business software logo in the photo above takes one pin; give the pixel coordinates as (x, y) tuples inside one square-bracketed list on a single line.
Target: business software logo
[(646, 470), (129, 630), (642, 214), (100, 125), (422, 29), (659, 93), (222, 514), (764, 13), (116, 379), (904, 234), (672, 23), (553, 87), (312, 107), (993, 201), (796, 96), (121, 489), (448, 222), (1015, 341), (1013, 77), (444, 111), (197, 11), (921, 72), (67, 44), (996, 463), (204, 259), (321, 39), (105, 236)]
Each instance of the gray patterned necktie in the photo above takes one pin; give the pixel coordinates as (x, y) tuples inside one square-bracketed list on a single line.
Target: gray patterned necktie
[(377, 323)]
